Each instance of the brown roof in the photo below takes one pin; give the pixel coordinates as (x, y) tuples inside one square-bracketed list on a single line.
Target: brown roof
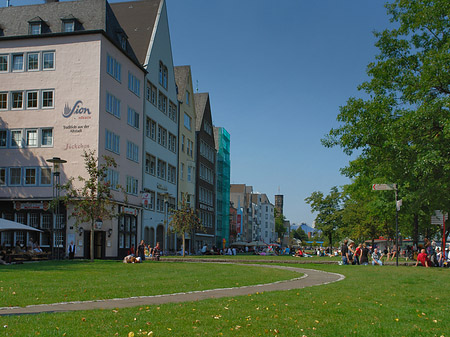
[(201, 99), (138, 19)]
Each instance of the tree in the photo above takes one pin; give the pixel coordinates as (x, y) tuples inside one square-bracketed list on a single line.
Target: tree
[(328, 208), (299, 234), (93, 201), (184, 220), (401, 128), (280, 228)]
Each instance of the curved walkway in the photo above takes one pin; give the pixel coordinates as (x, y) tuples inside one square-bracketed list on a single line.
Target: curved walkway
[(310, 278)]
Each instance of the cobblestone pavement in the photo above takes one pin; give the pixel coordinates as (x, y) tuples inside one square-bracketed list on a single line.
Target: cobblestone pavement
[(309, 278)]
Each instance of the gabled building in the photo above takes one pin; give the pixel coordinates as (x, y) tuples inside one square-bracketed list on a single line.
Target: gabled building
[(146, 25), (264, 220), (240, 196), (69, 82), (205, 172), (223, 175)]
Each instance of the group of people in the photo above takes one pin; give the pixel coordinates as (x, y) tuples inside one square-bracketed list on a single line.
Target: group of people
[(143, 251), (431, 255), (360, 255)]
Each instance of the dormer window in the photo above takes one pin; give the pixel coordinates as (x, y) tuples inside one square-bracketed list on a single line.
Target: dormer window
[(37, 26), (70, 24), (122, 39)]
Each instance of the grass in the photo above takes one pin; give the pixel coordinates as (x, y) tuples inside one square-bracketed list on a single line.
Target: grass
[(371, 301), (52, 281)]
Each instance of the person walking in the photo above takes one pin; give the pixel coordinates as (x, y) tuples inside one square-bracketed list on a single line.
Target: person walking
[(364, 255), (344, 252), (141, 251)]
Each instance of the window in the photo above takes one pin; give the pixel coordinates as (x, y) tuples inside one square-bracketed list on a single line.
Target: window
[(187, 121), (3, 63), (133, 118), (132, 151), (15, 176), (17, 62), (150, 164), (33, 61), (132, 185), (182, 171), (2, 176), (160, 202), (172, 143), (151, 93), (46, 176), (48, 60), (161, 169), (162, 102), (69, 26), (47, 99), (173, 111), (112, 142), (32, 100), (112, 177), (151, 200), (189, 148), (17, 99), (16, 138), (182, 142), (162, 136), (35, 28), (187, 97), (163, 75), (3, 138), (3, 100), (150, 128), (32, 138), (113, 68), (171, 174), (207, 127), (113, 105), (134, 85), (30, 176), (47, 137), (189, 174)]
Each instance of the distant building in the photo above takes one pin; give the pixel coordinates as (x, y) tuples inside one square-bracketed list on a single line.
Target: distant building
[(206, 172), (279, 203), (223, 176), (240, 196)]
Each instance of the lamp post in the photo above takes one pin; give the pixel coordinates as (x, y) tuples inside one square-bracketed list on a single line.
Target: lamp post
[(56, 161)]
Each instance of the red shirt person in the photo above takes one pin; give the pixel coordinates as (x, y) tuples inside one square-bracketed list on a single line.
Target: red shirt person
[(423, 259)]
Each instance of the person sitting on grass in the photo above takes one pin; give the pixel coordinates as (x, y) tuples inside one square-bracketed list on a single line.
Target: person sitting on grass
[(376, 258), (423, 259)]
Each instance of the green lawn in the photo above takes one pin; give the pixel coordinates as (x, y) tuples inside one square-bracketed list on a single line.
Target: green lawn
[(371, 301)]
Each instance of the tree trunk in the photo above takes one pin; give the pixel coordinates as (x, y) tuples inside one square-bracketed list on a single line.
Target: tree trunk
[(416, 230), (91, 248), (331, 242), (184, 242)]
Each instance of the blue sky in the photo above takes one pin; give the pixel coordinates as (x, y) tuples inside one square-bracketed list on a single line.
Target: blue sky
[(277, 72)]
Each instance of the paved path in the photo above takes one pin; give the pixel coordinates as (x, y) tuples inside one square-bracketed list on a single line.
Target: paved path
[(309, 278)]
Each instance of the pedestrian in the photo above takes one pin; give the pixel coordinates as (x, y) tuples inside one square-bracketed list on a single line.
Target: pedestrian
[(141, 250), (71, 250), (344, 252), (357, 254), (364, 255)]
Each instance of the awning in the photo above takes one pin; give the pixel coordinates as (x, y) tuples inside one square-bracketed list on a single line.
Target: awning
[(8, 225)]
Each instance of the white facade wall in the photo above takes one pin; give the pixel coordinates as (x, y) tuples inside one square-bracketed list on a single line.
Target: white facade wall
[(80, 82)]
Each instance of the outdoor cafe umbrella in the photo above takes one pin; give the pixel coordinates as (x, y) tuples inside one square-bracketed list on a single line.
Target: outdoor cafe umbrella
[(239, 243), (8, 225)]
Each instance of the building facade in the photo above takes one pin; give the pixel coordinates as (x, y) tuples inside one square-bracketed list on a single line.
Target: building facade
[(65, 70), (147, 27), (205, 172), (223, 175)]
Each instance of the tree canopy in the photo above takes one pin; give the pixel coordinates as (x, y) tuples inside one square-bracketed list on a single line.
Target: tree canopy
[(400, 128)]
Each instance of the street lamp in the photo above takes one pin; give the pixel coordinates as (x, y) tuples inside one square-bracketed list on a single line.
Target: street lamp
[(56, 161)]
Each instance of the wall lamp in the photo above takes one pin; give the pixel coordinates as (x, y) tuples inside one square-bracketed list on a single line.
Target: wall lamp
[(109, 232), (80, 231)]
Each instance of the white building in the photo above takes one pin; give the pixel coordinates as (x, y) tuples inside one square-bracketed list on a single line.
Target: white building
[(147, 28), (69, 82)]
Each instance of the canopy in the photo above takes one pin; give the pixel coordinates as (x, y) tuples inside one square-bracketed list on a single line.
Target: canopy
[(8, 225)]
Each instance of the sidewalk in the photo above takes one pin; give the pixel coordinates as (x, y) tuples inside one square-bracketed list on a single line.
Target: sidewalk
[(308, 279)]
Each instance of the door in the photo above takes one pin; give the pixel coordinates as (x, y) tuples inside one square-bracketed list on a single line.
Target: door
[(99, 244)]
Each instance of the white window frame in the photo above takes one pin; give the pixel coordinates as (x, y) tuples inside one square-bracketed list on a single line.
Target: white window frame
[(36, 139), (12, 100), (28, 61), (13, 63), (20, 144), (5, 94), (5, 57), (10, 176), (25, 170), (37, 99), (42, 175), (43, 130), (44, 53), (43, 93), (133, 118)]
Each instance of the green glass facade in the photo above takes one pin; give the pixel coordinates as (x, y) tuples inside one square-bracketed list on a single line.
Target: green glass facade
[(223, 174)]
